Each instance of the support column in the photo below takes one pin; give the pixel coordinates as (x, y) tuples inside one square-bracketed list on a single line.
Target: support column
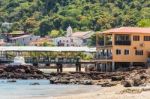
[(101, 67), (113, 66), (59, 68), (104, 40), (78, 67), (131, 64), (107, 67), (98, 67)]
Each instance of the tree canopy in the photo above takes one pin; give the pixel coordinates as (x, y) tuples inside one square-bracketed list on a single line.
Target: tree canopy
[(44, 16)]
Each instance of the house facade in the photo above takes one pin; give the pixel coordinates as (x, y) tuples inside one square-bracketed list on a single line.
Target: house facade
[(73, 39), (2, 42), (122, 47), (68, 41), (22, 40)]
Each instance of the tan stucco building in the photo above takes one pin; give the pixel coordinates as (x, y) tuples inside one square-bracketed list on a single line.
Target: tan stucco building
[(123, 47)]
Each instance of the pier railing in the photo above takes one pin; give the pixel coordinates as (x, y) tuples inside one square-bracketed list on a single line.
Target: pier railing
[(47, 60)]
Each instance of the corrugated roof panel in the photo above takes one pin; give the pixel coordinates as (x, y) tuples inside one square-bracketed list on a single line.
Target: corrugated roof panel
[(55, 49)]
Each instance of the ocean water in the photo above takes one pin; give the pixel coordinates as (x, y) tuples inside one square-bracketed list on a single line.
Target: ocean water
[(22, 89)]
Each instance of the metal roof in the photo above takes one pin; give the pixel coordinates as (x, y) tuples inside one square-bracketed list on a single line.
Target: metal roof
[(50, 49)]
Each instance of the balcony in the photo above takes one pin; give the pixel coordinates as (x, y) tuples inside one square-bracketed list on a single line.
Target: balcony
[(123, 39), (104, 40), (122, 42), (104, 57), (104, 54), (108, 43)]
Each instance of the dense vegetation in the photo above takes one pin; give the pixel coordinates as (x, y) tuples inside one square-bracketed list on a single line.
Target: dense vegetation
[(53, 16)]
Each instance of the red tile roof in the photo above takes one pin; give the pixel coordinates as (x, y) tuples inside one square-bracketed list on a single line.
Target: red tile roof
[(128, 30)]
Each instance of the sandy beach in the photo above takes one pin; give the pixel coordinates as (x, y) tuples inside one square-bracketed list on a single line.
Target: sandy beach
[(108, 93), (112, 93)]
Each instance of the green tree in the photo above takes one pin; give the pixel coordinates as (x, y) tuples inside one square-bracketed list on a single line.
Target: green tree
[(54, 33), (144, 23)]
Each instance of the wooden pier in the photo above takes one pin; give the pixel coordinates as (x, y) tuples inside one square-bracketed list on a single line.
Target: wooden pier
[(47, 61), (44, 55)]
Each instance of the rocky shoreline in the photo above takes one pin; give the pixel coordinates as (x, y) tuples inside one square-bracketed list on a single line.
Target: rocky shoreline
[(20, 72), (133, 77)]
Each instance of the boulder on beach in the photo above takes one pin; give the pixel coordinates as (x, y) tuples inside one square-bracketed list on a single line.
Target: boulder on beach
[(87, 82), (1, 71), (117, 78), (36, 83), (127, 83)]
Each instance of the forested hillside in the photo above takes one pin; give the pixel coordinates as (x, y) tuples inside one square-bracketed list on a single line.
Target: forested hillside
[(47, 16)]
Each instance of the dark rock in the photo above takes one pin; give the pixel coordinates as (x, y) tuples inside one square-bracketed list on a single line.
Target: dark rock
[(137, 82), (64, 81), (106, 84), (1, 71), (127, 83), (52, 81), (21, 72), (117, 78), (11, 81), (144, 76), (90, 68), (35, 83), (87, 82), (73, 81)]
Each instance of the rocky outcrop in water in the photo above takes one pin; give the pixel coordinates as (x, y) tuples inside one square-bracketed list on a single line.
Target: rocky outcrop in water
[(20, 72)]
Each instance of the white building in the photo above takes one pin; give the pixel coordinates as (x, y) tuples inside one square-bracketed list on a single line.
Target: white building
[(73, 39), (2, 42), (68, 41), (23, 40)]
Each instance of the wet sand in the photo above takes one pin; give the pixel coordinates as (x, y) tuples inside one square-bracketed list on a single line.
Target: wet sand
[(110, 93), (107, 93)]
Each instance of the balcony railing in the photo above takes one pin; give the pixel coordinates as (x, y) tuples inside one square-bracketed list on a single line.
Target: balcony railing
[(103, 57), (122, 42), (101, 43)]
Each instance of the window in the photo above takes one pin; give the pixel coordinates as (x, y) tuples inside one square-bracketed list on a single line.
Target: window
[(136, 38), (139, 52), (122, 38), (146, 38), (118, 51), (126, 52)]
